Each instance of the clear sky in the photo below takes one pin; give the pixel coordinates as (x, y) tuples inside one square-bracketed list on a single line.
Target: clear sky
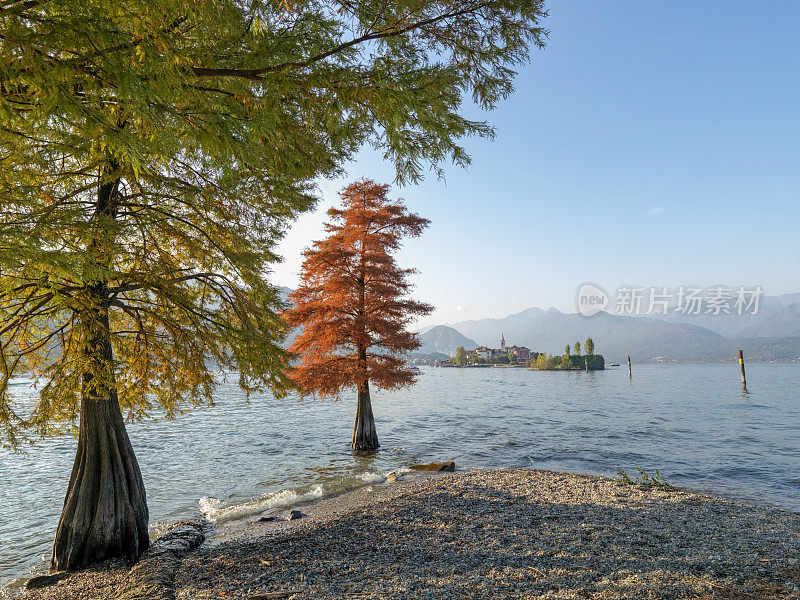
[(652, 144)]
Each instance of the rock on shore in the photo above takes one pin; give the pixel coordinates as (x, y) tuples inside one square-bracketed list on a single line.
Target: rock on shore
[(498, 534)]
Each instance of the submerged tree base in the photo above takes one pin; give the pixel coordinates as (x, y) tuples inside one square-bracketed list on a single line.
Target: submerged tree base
[(365, 446), (365, 438)]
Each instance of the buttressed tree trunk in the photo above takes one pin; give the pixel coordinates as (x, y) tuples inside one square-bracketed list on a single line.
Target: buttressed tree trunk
[(364, 435), (105, 511)]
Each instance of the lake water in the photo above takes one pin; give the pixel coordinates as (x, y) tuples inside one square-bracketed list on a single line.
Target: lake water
[(692, 422)]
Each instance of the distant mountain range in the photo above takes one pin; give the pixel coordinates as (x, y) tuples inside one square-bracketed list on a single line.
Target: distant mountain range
[(783, 323), (442, 339), (744, 325), (771, 335)]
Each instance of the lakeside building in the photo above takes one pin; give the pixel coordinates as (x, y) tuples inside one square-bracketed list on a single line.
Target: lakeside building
[(482, 352), (521, 354)]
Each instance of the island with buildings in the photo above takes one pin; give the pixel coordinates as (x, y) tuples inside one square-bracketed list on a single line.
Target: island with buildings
[(522, 356)]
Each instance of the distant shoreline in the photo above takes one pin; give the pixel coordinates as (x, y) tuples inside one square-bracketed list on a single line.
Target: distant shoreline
[(731, 361), (483, 366)]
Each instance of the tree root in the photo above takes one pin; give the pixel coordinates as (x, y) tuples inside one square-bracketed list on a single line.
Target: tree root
[(153, 577)]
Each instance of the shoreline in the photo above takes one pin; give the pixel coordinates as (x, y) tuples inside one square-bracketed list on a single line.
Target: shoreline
[(499, 533)]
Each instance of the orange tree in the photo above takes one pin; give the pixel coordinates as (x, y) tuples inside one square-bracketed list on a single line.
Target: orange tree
[(353, 304)]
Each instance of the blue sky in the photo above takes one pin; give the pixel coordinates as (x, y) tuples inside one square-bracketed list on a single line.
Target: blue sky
[(652, 144)]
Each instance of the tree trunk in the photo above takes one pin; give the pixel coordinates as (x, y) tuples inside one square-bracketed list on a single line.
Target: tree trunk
[(364, 434), (105, 511), (365, 437)]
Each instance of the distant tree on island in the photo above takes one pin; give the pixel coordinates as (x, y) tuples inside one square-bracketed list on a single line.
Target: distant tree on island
[(589, 346), (461, 356), (566, 351), (578, 348), (352, 304), (566, 362)]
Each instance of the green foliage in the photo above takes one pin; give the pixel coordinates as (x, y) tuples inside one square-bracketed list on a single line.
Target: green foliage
[(644, 479), (578, 348), (566, 351), (553, 363), (596, 362), (155, 151), (571, 362), (624, 477), (589, 346), (461, 356)]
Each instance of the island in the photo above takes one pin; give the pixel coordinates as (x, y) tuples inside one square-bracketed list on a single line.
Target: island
[(521, 356)]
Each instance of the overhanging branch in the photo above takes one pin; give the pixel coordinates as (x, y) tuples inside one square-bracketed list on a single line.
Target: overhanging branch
[(257, 73)]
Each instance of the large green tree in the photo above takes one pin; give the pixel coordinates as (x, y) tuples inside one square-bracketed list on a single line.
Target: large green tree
[(153, 152)]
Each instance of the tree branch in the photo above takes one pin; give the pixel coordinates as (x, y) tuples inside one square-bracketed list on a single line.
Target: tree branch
[(256, 74), (134, 287)]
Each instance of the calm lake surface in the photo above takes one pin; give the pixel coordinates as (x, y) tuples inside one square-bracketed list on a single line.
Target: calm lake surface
[(692, 422)]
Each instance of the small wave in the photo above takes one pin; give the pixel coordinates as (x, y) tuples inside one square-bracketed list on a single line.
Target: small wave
[(372, 477), (217, 511)]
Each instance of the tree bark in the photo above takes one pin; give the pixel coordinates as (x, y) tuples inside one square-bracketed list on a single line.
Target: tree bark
[(105, 510), (364, 435)]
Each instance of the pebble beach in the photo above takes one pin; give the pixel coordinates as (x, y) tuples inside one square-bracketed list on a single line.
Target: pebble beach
[(485, 534)]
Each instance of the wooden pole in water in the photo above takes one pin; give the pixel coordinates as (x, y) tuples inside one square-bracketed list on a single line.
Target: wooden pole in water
[(741, 368), (630, 374)]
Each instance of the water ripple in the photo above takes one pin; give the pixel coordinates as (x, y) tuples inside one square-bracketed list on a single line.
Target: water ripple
[(689, 421)]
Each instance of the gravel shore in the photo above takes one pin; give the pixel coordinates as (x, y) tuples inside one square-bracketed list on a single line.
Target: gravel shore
[(491, 534)]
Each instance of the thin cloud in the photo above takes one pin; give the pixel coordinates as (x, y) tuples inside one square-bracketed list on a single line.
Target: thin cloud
[(656, 211)]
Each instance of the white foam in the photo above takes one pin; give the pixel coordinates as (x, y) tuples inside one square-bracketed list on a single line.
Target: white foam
[(372, 477), (216, 511)]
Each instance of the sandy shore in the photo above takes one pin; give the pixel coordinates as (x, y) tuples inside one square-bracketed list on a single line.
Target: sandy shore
[(492, 534)]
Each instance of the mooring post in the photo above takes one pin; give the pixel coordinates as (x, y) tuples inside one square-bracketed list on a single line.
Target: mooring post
[(586, 362), (741, 368), (630, 374)]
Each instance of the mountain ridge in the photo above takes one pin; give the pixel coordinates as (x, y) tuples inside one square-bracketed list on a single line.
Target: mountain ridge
[(443, 339), (775, 337)]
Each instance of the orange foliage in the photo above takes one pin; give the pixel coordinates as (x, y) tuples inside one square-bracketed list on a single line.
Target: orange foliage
[(352, 302)]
